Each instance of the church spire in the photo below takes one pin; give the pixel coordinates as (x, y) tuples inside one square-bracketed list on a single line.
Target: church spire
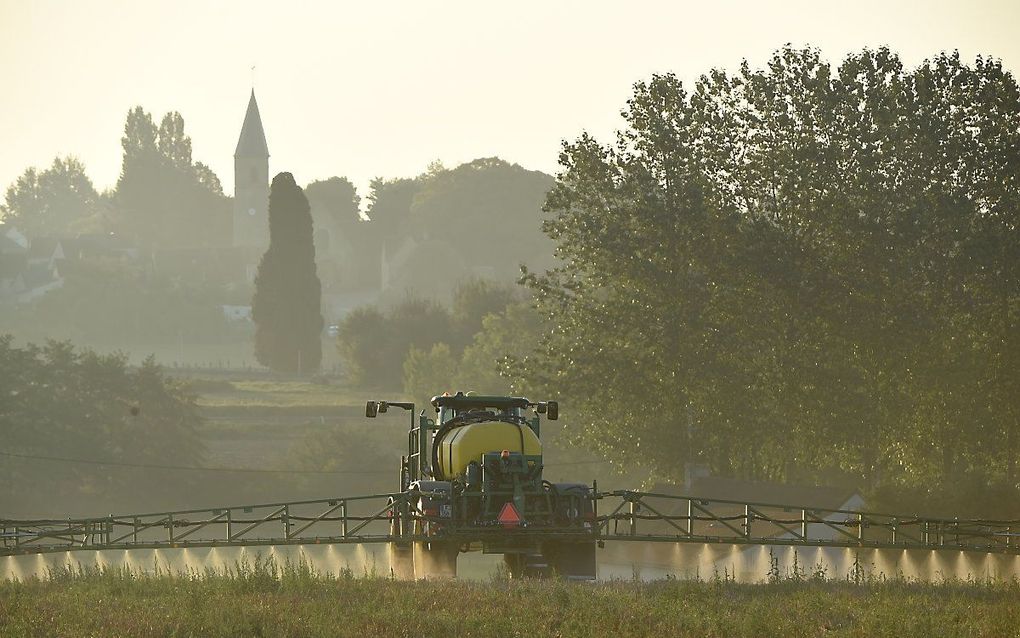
[(252, 142), (251, 182)]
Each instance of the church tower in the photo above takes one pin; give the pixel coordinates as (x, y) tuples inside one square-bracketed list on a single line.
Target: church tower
[(251, 182)]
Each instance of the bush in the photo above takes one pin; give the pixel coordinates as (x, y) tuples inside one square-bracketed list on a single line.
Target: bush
[(77, 423), (374, 345)]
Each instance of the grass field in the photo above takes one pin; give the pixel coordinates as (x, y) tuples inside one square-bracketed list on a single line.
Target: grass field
[(285, 394), (254, 602)]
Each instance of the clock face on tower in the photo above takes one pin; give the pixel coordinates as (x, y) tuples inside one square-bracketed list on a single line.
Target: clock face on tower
[(251, 211)]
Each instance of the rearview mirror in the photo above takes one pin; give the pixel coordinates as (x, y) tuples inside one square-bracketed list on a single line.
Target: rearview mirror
[(371, 409), (553, 409)]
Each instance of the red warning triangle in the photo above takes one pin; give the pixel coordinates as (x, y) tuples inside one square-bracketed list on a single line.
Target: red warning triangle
[(508, 516)]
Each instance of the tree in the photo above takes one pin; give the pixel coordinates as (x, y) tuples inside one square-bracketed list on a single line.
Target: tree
[(429, 372), (362, 337), (488, 365), (53, 201), (491, 210), (484, 216), (389, 201), (789, 270), (348, 253), (338, 197), (474, 300), (163, 198), (287, 303), (374, 344), (64, 402), (110, 302)]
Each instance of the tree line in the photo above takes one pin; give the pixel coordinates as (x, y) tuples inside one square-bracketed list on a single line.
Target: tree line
[(65, 403), (387, 348), (802, 272), (795, 272), (163, 197)]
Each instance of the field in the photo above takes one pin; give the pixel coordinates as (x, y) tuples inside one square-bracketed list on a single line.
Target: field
[(253, 421), (256, 421), (253, 602), (242, 394)]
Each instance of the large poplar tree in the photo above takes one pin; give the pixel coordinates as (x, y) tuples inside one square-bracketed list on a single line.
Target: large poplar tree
[(286, 307), (163, 197)]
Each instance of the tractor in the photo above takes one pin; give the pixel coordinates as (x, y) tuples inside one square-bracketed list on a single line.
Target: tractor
[(472, 481)]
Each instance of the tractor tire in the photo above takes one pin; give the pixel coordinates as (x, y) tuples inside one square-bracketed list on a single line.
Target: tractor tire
[(521, 565)]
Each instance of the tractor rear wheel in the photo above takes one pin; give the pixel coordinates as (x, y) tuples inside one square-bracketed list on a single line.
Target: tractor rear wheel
[(527, 565)]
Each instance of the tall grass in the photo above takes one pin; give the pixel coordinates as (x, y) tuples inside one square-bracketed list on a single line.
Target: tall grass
[(263, 598)]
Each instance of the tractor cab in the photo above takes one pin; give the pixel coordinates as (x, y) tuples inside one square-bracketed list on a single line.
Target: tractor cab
[(450, 406)]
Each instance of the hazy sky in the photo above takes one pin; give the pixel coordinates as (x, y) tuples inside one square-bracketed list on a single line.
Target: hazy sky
[(383, 88)]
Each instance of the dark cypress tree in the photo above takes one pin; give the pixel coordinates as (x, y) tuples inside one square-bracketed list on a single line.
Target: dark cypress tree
[(286, 308)]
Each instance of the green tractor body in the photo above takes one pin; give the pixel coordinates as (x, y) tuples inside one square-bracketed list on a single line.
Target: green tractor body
[(474, 480)]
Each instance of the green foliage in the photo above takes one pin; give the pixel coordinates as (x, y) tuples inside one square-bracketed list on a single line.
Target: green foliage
[(368, 456), (490, 210), (389, 201), (111, 302), (163, 198), (361, 338), (55, 201), (794, 270), (337, 196), (487, 365), (374, 345), (286, 307), (476, 299), (430, 372), (482, 218), (63, 402)]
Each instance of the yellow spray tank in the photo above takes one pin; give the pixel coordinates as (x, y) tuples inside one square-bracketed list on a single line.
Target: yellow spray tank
[(471, 431), (460, 446)]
